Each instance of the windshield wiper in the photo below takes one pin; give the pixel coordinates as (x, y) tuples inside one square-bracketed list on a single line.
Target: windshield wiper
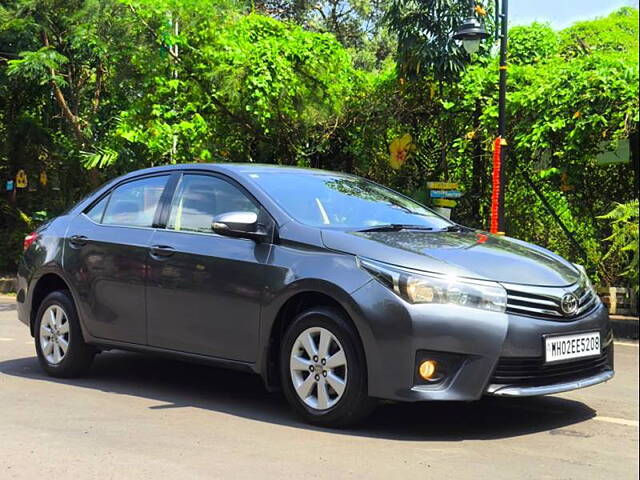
[(453, 228), (395, 227)]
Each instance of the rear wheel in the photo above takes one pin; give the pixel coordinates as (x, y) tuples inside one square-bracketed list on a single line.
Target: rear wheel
[(323, 369), (61, 349)]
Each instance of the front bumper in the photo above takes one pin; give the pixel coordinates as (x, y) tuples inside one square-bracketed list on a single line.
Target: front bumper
[(396, 335), (532, 391)]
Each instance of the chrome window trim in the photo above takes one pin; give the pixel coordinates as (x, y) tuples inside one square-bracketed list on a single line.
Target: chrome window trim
[(83, 214)]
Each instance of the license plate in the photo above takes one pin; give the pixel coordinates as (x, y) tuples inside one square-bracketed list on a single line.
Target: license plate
[(568, 347)]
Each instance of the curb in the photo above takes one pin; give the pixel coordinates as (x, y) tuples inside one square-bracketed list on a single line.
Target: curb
[(625, 327)]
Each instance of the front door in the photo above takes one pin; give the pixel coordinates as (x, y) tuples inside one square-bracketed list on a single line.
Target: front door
[(106, 254), (205, 290)]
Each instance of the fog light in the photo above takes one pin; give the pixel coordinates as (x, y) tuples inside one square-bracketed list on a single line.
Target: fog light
[(428, 369)]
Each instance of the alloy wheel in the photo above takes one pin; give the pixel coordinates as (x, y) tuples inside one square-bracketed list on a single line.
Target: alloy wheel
[(54, 334), (318, 368)]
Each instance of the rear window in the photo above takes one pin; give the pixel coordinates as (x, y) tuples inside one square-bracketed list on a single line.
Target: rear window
[(132, 204), (95, 213)]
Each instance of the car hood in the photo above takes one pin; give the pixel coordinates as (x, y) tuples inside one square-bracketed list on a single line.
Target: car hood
[(468, 253)]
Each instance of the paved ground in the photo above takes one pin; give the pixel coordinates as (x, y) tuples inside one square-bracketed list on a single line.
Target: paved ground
[(140, 417)]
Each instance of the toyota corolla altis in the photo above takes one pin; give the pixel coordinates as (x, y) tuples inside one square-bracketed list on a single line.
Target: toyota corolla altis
[(335, 289)]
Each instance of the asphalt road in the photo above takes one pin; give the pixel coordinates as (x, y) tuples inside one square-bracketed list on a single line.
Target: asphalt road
[(143, 417)]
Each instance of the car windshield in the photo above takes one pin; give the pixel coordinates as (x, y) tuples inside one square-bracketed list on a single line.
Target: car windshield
[(328, 200)]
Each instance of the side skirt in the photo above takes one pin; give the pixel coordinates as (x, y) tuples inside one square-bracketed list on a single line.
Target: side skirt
[(103, 344)]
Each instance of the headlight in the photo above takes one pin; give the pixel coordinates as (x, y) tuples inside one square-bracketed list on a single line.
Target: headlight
[(584, 280), (419, 287)]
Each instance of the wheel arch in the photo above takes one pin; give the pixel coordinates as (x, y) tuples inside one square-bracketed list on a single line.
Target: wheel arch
[(292, 305), (44, 285)]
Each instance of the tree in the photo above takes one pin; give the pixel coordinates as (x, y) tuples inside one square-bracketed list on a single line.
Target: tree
[(425, 30), (615, 33), (530, 44), (357, 24), (244, 88), (624, 239)]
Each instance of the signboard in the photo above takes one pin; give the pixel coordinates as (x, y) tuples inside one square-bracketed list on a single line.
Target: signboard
[(21, 179), (442, 186), (445, 193), (444, 202)]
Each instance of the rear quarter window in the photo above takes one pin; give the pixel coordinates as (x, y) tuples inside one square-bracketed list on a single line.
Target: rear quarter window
[(95, 213)]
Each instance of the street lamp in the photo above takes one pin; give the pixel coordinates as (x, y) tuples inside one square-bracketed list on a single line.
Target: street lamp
[(471, 33)]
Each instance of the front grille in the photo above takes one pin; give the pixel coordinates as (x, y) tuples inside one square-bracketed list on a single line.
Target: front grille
[(531, 371), (544, 302)]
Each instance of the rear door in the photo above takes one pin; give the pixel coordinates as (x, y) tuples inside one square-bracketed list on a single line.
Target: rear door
[(106, 255), (205, 290)]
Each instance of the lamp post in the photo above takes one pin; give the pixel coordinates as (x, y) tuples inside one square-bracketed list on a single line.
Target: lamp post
[(471, 33)]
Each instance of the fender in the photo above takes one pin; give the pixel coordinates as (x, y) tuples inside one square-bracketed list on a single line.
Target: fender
[(271, 310), (54, 268)]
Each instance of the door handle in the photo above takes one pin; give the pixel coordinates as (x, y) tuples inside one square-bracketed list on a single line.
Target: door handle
[(161, 251), (78, 240)]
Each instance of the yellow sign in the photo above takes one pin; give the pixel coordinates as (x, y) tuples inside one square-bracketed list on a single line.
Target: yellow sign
[(444, 202), (43, 178), (21, 179), (442, 186)]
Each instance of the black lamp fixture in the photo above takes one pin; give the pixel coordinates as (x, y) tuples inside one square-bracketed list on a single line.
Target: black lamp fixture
[(471, 33)]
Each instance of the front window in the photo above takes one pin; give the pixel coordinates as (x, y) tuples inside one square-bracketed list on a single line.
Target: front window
[(331, 200), (200, 198)]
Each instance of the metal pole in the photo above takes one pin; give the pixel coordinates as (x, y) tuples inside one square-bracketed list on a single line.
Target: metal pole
[(502, 113), (174, 50)]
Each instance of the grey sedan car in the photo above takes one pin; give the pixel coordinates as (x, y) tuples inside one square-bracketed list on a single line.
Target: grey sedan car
[(334, 289)]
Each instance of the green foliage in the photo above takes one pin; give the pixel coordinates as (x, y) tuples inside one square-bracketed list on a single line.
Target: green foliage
[(38, 66), (616, 33), (624, 238), (100, 158), (247, 88), (356, 24), (425, 30), (530, 44)]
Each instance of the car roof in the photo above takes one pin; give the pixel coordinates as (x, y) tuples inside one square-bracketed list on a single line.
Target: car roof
[(241, 169)]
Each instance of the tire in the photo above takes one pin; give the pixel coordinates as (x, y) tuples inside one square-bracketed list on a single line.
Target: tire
[(325, 405), (54, 360)]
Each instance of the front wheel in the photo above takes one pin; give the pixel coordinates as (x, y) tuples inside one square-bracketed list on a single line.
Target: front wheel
[(323, 369), (61, 349)]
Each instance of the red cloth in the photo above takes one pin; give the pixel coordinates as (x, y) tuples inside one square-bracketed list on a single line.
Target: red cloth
[(495, 192)]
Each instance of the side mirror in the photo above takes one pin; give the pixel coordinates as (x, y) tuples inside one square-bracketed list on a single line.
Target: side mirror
[(239, 225)]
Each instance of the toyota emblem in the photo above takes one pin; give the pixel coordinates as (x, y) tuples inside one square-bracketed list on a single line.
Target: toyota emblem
[(569, 304)]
